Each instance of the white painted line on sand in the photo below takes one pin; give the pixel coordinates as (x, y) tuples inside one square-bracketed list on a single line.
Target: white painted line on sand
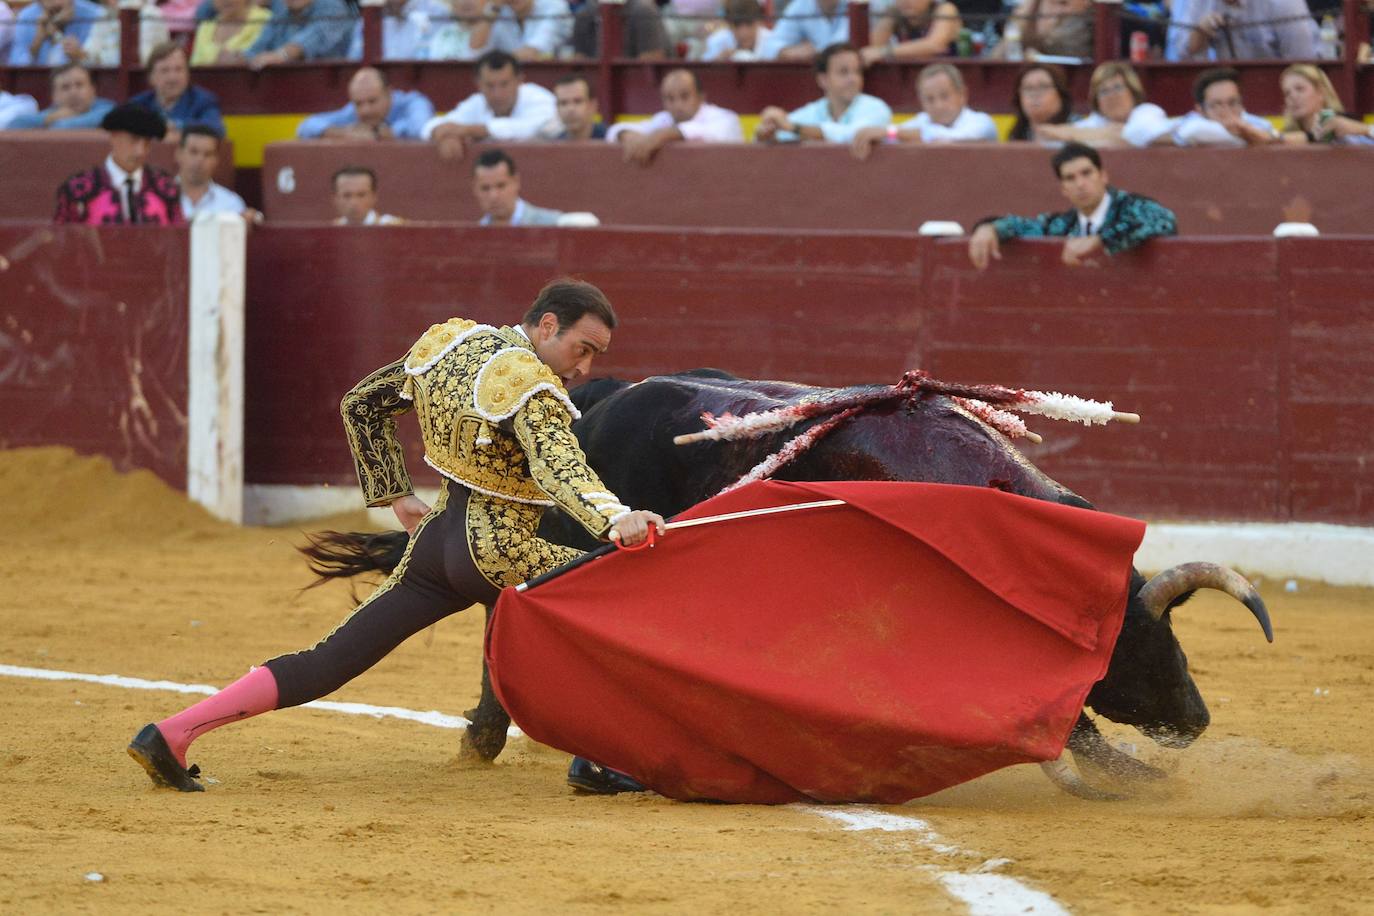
[(984, 893), (432, 717)]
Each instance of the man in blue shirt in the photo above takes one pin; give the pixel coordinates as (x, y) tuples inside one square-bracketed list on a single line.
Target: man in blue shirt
[(303, 30), (173, 96), (374, 112), (50, 33), (496, 185), (74, 105), (805, 28), (835, 117)]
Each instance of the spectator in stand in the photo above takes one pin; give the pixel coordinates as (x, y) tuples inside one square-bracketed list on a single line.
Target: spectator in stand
[(1220, 118), (532, 29), (197, 160), (1313, 112), (303, 30), (1120, 113), (576, 110), (49, 33), (74, 105), (1240, 30), (806, 27), (407, 29), (1057, 28), (911, 30), (945, 116), (497, 188), (14, 107), (836, 116), (744, 36), (686, 115), (374, 112), (6, 30), (225, 39), (124, 189), (355, 198), (1042, 97), (466, 36), (642, 33), (173, 96), (101, 48), (1102, 218), (504, 107)]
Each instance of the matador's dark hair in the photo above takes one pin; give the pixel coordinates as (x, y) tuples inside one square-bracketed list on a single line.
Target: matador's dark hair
[(570, 300)]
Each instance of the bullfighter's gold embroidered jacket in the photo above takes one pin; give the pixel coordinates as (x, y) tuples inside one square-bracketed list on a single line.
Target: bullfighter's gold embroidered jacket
[(494, 418)]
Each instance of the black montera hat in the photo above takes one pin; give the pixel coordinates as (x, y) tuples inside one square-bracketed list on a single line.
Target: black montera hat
[(136, 120)]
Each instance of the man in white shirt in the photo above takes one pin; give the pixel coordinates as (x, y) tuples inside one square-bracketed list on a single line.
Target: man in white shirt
[(744, 36), (532, 29), (504, 107), (1220, 118), (197, 158), (945, 116), (13, 106), (355, 198), (686, 116), (1240, 30), (407, 28)]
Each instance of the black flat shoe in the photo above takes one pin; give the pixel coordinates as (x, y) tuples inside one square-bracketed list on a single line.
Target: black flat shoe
[(150, 749), (586, 776)]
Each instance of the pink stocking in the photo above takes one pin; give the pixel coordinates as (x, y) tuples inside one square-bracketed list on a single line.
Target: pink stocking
[(251, 695)]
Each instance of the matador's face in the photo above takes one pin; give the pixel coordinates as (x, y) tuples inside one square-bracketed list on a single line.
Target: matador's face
[(569, 352)]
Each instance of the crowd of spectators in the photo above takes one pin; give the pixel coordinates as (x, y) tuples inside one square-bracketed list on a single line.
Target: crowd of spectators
[(260, 33), (73, 36)]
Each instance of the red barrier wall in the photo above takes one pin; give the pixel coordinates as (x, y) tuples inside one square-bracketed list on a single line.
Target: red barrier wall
[(1214, 192), (1247, 358), (34, 162), (93, 333)]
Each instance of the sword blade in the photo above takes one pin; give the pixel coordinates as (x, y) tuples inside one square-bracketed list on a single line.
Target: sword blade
[(750, 513)]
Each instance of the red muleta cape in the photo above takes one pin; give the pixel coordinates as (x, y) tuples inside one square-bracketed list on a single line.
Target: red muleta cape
[(919, 637)]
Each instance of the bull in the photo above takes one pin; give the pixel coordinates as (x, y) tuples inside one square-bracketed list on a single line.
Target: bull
[(627, 431)]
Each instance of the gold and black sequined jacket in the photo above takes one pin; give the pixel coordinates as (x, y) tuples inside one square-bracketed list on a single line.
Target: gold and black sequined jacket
[(493, 417)]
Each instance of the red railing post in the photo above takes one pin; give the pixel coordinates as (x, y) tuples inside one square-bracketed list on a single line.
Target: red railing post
[(128, 45), (1356, 31), (858, 23), (1106, 30), (372, 31), (612, 41)]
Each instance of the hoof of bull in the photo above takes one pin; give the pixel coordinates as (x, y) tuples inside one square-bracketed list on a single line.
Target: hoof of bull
[(483, 745), (1063, 775)]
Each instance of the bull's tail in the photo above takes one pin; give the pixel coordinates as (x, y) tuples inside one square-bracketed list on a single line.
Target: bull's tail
[(343, 554)]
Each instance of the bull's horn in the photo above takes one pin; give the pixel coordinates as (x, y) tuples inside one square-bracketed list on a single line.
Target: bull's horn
[(1168, 585)]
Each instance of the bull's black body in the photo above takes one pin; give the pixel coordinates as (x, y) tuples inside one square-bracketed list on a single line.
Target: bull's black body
[(627, 432)]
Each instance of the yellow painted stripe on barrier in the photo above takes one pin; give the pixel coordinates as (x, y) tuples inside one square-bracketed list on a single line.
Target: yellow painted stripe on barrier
[(251, 133)]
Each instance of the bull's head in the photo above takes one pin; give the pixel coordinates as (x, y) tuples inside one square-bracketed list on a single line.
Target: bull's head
[(1147, 684)]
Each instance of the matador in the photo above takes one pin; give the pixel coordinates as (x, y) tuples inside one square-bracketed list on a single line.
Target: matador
[(496, 420)]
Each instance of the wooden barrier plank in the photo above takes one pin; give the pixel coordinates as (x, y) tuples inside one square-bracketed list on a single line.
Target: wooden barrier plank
[(93, 342), (1213, 191)]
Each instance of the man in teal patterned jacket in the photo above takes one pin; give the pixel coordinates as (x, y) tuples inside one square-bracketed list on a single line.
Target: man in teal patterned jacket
[(1103, 218)]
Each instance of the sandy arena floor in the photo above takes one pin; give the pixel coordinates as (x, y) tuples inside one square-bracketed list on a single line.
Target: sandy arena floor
[(1272, 810)]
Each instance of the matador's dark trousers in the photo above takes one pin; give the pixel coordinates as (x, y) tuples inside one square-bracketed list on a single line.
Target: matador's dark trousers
[(436, 577)]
